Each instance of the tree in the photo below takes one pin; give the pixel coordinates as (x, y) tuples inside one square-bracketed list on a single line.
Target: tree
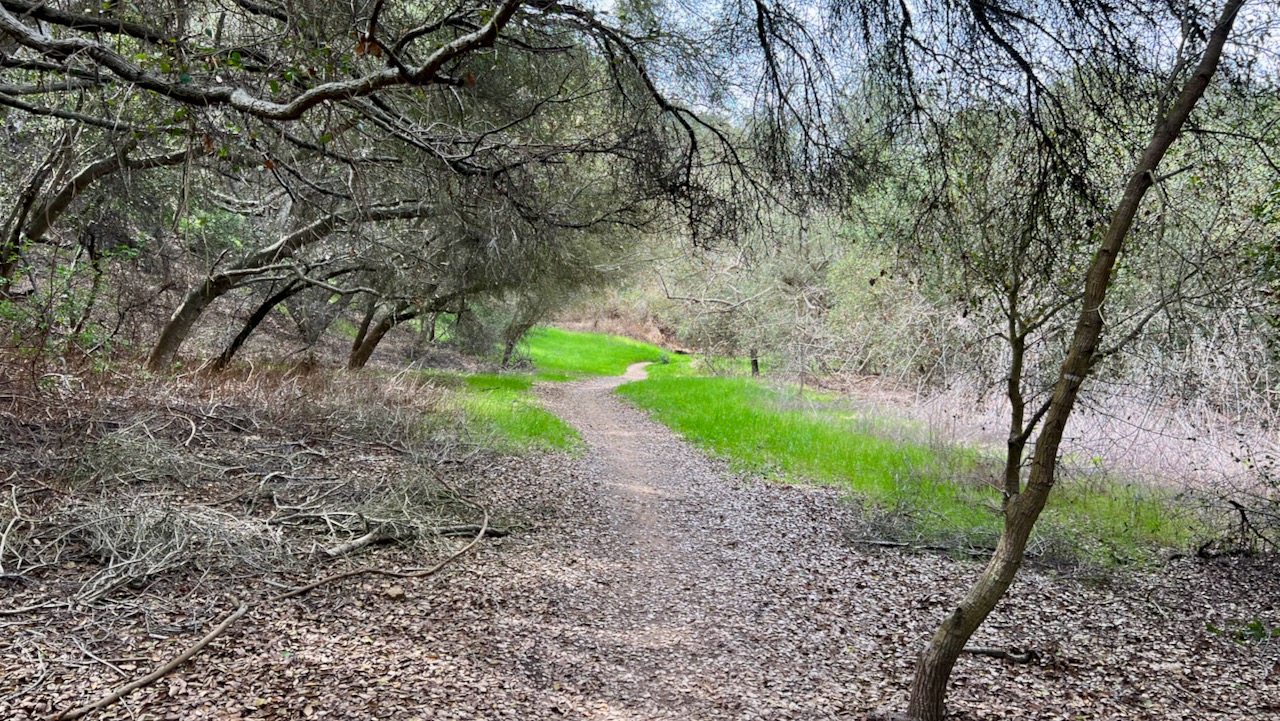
[(1025, 501), (1069, 73), (474, 97)]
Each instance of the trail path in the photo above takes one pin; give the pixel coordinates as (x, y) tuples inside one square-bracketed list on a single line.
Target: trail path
[(704, 600), (675, 590), (654, 585)]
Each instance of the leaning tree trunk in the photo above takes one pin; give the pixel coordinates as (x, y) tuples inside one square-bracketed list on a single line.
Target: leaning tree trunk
[(250, 325), (184, 319), (257, 262), (514, 332), (11, 245), (361, 353), (370, 312), (32, 226), (933, 670)]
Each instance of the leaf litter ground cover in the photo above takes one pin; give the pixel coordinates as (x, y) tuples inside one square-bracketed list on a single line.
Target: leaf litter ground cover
[(643, 581)]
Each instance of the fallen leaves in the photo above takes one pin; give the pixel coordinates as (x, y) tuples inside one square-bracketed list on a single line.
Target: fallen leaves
[(659, 586)]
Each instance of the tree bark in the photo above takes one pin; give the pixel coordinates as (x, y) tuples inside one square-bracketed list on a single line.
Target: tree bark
[(184, 318), (429, 330), (250, 325), (508, 350), (933, 670), (370, 312), (360, 354), (514, 332)]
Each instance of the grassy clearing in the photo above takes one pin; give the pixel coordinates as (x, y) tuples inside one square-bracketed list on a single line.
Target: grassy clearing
[(501, 410), (946, 494), (562, 355)]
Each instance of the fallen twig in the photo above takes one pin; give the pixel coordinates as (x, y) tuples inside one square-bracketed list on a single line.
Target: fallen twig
[(34, 607), (1015, 655), (484, 529), (967, 550), (385, 534), (155, 675)]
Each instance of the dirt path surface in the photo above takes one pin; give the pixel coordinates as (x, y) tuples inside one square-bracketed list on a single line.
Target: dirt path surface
[(679, 591), (651, 583)]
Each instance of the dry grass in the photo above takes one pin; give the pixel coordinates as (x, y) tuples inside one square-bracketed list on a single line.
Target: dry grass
[(1191, 452), (120, 482)]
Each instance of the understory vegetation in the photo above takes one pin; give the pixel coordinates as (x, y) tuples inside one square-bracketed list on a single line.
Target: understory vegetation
[(271, 270), (916, 491)]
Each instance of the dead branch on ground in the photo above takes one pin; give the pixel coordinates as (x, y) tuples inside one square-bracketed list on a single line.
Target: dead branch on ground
[(155, 675), (1015, 655), (373, 570)]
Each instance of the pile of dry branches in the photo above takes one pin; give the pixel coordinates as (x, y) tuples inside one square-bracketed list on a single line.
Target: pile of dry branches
[(122, 507)]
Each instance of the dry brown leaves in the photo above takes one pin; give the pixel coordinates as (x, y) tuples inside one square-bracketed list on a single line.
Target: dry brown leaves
[(650, 584)]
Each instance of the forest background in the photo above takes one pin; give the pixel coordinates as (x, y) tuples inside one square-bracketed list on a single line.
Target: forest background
[(1013, 214)]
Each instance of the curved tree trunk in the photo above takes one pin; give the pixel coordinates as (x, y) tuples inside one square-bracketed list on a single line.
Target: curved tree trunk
[(184, 318), (514, 333), (34, 221), (361, 353), (11, 246), (259, 315), (933, 670), (175, 332), (370, 312)]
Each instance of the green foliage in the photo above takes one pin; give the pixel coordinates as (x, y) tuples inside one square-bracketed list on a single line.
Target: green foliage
[(215, 231), (948, 495), (1254, 631), (345, 328), (561, 354), (494, 382), (503, 413)]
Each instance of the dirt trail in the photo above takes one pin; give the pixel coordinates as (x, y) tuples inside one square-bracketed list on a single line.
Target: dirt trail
[(688, 593), (685, 614), (650, 583)]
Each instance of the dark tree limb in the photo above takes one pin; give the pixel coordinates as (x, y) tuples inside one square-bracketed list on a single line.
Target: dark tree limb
[(155, 675)]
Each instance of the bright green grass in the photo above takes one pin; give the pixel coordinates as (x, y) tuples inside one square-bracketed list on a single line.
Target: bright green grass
[(740, 419), (680, 366), (501, 408), (493, 382), (561, 354), (502, 411), (946, 494)]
